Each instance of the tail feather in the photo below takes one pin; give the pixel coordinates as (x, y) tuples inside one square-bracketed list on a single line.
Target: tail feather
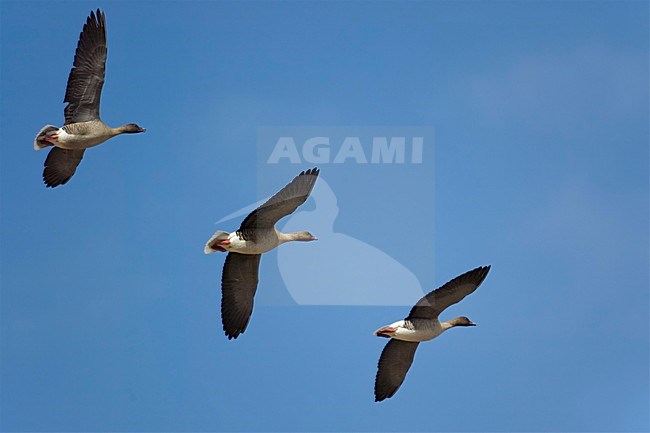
[(218, 236), (39, 141)]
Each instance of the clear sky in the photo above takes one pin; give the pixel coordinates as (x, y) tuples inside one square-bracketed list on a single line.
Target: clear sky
[(535, 161)]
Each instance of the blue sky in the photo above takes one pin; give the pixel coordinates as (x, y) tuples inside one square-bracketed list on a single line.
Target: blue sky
[(539, 167)]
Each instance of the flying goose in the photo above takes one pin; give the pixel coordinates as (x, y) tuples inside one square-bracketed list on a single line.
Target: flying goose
[(83, 128), (256, 235), (422, 324)]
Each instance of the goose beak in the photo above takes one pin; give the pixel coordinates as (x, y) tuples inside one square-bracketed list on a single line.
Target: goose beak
[(472, 324), (143, 129)]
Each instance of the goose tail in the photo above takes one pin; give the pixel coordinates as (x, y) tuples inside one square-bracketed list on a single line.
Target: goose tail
[(39, 141), (218, 236)]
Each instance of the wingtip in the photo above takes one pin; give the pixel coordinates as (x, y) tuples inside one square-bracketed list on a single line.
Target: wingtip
[(310, 172), (380, 398), (53, 183), (232, 336), (483, 272), (481, 269), (96, 18)]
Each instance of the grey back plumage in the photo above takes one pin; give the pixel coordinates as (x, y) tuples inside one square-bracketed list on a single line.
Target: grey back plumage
[(283, 203), (431, 305), (86, 78), (92, 128)]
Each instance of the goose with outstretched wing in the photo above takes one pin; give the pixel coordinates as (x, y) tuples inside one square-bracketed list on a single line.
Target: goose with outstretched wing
[(83, 127), (256, 235), (422, 324)]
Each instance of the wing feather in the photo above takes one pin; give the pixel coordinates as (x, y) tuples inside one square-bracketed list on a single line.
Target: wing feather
[(86, 78), (283, 203), (238, 286), (394, 363), (431, 305), (60, 166)]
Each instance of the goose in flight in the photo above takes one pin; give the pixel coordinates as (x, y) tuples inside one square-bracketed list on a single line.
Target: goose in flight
[(256, 235), (82, 128), (422, 324)]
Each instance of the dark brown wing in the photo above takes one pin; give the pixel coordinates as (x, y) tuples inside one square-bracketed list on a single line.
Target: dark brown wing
[(238, 285), (431, 305), (285, 202), (60, 165), (87, 75), (394, 363)]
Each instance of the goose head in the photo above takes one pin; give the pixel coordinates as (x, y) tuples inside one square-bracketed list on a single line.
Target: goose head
[(461, 321), (304, 237), (132, 128)]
